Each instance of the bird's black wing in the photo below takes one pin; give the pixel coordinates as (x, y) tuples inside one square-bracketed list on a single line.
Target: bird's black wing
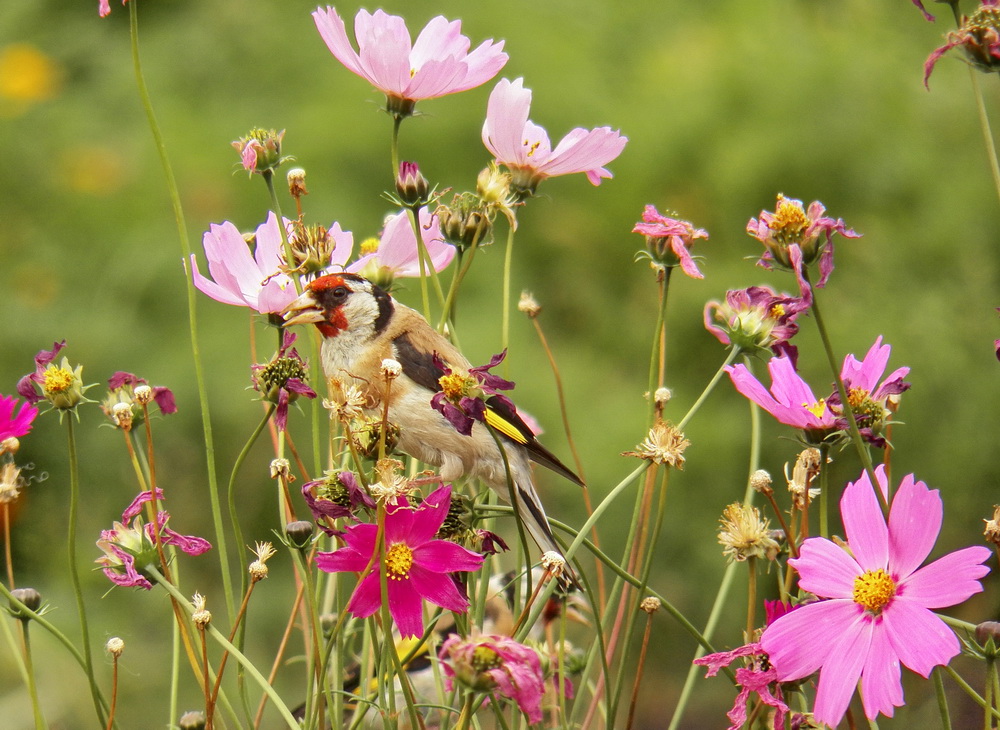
[(418, 365)]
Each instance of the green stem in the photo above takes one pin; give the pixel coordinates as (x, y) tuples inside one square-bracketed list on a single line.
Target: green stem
[(74, 504), (508, 260), (233, 510), (396, 121), (657, 358), (734, 353), (984, 123), (824, 488), (942, 700), (175, 202), (36, 708), (426, 266), (286, 245), (967, 688), (991, 669), (463, 264)]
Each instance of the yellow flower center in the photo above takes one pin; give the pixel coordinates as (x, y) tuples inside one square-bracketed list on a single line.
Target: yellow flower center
[(873, 590), (484, 658), (790, 220), (778, 311), (454, 385), (865, 410), (57, 380), (398, 561), (817, 408), (369, 245)]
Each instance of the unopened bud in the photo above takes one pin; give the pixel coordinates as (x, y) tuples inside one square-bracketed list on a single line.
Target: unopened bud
[(193, 720), (299, 533), (31, 598), (411, 185), (988, 630), (115, 646)]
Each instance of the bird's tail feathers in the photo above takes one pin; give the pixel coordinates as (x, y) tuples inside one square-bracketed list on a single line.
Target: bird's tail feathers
[(532, 515)]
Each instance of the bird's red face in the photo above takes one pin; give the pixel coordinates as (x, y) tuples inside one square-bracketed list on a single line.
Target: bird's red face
[(322, 303)]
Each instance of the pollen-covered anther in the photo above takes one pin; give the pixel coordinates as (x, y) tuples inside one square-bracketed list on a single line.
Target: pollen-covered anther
[(398, 561), (873, 590)]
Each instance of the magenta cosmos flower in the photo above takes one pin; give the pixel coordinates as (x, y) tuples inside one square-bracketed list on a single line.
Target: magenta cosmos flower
[(524, 147), (498, 664), (794, 238), (668, 240), (867, 396), (416, 565), (758, 320), (978, 36), (437, 64), (395, 253), (128, 549), (462, 398), (790, 399), (757, 678), (15, 425), (282, 380), (880, 601)]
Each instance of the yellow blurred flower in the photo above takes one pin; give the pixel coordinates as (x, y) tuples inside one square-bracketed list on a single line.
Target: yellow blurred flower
[(27, 77)]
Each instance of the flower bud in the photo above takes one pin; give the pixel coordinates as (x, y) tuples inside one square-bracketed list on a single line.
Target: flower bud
[(411, 185), (193, 720), (299, 533), (988, 630), (260, 150), (29, 597)]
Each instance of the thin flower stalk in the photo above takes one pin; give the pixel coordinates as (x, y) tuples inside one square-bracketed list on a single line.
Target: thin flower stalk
[(658, 356), (427, 268), (279, 655), (175, 202), (314, 656), (36, 707), (633, 701), (233, 508), (508, 262), (114, 692), (268, 176)]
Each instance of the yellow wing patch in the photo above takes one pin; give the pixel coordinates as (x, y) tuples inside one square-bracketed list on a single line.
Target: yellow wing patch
[(505, 427)]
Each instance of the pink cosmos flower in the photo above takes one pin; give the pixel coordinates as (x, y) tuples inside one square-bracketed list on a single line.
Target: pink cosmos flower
[(867, 396), (794, 238), (437, 64), (416, 565), (978, 36), (491, 663), (879, 601), (790, 399), (668, 240), (397, 254), (757, 320), (15, 425), (525, 149), (128, 549), (757, 677)]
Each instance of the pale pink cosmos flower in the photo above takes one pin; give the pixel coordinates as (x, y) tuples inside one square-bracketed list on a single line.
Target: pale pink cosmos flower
[(758, 320), (879, 613), (866, 394), (790, 399), (668, 240), (254, 280), (15, 425), (524, 147), (438, 63), (397, 254), (491, 663), (417, 565)]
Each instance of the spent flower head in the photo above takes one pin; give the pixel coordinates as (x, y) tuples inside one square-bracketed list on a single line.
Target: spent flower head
[(664, 444), (806, 469), (669, 240), (337, 495), (978, 36), (743, 533), (260, 150), (316, 248), (263, 551), (126, 390), (463, 395), (877, 599), (757, 675), (282, 380), (757, 320), (10, 482), (61, 385), (436, 64), (524, 148), (467, 221), (414, 564)]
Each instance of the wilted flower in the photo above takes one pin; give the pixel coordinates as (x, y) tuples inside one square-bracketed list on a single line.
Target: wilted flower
[(524, 147), (60, 385), (129, 548), (260, 150), (663, 445), (416, 564), (758, 320), (744, 534), (467, 220), (316, 248), (10, 482), (806, 469), (15, 425), (462, 398), (438, 63), (790, 399), (866, 395), (258, 569), (668, 241), (498, 664), (122, 391), (397, 253), (243, 278), (879, 599), (978, 36), (794, 238), (756, 676), (334, 496), (282, 380)]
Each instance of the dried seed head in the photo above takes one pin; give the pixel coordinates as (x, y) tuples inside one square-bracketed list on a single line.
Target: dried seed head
[(143, 394), (258, 568), (201, 616), (280, 468), (663, 445), (760, 481), (115, 646), (121, 414), (650, 604), (391, 369), (529, 305), (745, 534), (992, 531)]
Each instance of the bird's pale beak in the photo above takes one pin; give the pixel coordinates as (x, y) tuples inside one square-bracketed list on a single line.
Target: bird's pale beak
[(304, 310)]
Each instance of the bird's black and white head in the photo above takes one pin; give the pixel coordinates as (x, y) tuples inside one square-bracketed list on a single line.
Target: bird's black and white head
[(341, 304)]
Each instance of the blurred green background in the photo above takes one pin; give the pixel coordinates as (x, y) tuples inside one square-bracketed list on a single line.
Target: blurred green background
[(725, 104)]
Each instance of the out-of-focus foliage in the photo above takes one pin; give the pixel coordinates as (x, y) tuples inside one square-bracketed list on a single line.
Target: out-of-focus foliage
[(725, 105)]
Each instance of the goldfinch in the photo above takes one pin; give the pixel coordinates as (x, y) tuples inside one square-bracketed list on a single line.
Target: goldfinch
[(362, 325)]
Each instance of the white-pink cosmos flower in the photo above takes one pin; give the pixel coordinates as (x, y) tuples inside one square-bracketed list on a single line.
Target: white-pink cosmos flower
[(524, 147), (438, 63), (397, 253), (880, 601)]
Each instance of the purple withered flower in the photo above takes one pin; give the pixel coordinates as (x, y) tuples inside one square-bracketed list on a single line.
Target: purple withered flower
[(795, 237), (417, 565), (978, 36), (759, 676), (282, 380), (869, 399), (129, 548), (668, 241), (462, 398), (335, 496), (920, 4), (758, 320), (131, 390)]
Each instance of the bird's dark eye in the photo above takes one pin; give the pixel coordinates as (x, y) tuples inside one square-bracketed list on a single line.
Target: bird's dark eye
[(339, 292)]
